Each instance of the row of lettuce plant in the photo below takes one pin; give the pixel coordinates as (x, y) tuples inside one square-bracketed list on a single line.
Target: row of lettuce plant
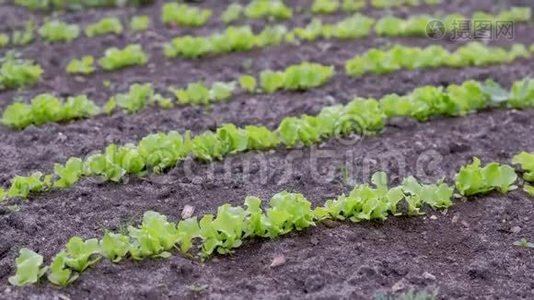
[(398, 57), (158, 152), (46, 108), (243, 38), (526, 161), (157, 237), (16, 72), (277, 9), (332, 6), (56, 31), (113, 59), (76, 4)]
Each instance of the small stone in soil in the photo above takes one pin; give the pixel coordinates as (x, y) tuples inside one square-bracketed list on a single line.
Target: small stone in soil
[(188, 211), (278, 261)]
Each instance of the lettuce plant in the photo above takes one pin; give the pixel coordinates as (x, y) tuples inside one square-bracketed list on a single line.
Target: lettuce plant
[(138, 97), (352, 5), (56, 31), (297, 77), (140, 23), (46, 108), (114, 246), (355, 27), (232, 13), (223, 232), (29, 268), (58, 272), (288, 211), (187, 230), (22, 186), (276, 9), (115, 162), (187, 46), (24, 37), (324, 6), (248, 83), (4, 40), (474, 179), (104, 26), (522, 94), (80, 254), (184, 15), (392, 26), (197, 93), (115, 58), (154, 238), (364, 202), (161, 151), (438, 196), (526, 161), (84, 65), (15, 73), (68, 174)]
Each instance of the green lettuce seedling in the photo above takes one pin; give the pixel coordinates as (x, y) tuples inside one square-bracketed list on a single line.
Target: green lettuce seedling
[(29, 268), (24, 37), (68, 174), (104, 26), (526, 161), (58, 273), (248, 83), (288, 211), (352, 5), (22, 186), (84, 65), (364, 202), (184, 15), (138, 98), (435, 195), (154, 238), (232, 13), (56, 31), (140, 23), (4, 40), (257, 9), (115, 162), (161, 151), (80, 254), (15, 73), (46, 108), (473, 179), (114, 246), (187, 231), (115, 58), (224, 232), (325, 6)]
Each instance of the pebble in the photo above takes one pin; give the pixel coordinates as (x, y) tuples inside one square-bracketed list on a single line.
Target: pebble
[(515, 229), (278, 261), (188, 211), (429, 276), (399, 285)]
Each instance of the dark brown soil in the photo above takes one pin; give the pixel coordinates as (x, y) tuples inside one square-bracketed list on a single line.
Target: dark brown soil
[(465, 253)]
